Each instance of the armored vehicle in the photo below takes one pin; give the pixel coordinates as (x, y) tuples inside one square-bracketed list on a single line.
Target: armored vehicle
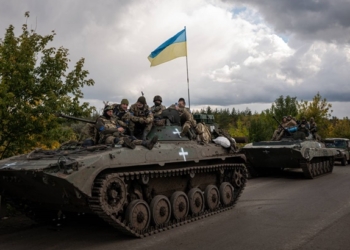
[(342, 145), (293, 150), (138, 191)]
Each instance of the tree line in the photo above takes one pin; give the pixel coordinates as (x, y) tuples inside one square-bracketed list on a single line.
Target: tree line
[(260, 126)]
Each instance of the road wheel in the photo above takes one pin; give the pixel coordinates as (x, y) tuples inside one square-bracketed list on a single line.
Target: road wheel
[(179, 205), (138, 215), (226, 193), (212, 197), (160, 209), (196, 200)]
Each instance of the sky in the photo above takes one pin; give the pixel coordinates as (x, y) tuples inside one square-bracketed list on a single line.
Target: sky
[(241, 54)]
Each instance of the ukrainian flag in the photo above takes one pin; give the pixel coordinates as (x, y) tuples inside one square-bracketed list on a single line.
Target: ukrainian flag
[(169, 50)]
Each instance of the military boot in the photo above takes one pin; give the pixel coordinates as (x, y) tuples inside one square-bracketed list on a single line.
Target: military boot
[(150, 143), (128, 143)]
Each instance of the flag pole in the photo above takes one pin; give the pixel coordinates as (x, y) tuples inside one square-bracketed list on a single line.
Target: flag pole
[(188, 81)]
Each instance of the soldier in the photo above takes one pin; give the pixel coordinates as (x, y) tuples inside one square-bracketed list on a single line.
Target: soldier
[(304, 126), (280, 129), (290, 122), (141, 119), (110, 131), (181, 103), (187, 120), (121, 111), (313, 125), (313, 129), (157, 108)]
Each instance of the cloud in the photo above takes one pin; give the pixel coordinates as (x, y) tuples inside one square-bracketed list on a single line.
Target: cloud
[(239, 53), (309, 19)]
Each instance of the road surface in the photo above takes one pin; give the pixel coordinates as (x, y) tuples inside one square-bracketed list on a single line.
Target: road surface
[(277, 212)]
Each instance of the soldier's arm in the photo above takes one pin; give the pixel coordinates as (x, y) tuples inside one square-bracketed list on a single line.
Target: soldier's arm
[(149, 118)]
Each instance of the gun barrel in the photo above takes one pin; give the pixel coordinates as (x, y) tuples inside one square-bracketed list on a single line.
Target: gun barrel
[(75, 118)]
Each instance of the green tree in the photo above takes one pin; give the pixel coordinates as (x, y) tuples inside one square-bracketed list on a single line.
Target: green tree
[(320, 110), (260, 128), (34, 85), (284, 106), (340, 128)]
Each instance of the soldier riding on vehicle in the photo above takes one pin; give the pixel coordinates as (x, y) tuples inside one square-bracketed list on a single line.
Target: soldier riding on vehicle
[(141, 119)]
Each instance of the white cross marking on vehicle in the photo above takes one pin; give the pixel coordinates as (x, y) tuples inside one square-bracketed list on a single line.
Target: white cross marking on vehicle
[(177, 132), (183, 153)]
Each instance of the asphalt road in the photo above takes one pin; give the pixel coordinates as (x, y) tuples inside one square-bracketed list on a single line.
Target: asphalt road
[(277, 212)]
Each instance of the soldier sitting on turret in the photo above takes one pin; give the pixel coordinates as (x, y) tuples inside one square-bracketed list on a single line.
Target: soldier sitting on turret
[(111, 132), (287, 122), (313, 129), (304, 127), (187, 121), (157, 108), (122, 113), (141, 119)]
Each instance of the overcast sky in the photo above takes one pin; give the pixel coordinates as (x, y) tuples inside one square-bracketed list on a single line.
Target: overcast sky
[(240, 53)]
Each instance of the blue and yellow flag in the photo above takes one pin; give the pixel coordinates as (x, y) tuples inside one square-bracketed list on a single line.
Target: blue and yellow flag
[(169, 50)]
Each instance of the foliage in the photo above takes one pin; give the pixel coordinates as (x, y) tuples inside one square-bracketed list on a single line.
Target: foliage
[(34, 85), (320, 110), (260, 127), (340, 128), (284, 106)]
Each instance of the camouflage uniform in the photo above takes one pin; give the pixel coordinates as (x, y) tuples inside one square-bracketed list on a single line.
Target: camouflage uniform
[(203, 133), (107, 128), (157, 108), (141, 120), (304, 127), (187, 120), (122, 115), (89, 134), (313, 129)]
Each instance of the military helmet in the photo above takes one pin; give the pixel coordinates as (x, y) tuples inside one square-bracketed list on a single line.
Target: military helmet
[(108, 107), (157, 98), (142, 100)]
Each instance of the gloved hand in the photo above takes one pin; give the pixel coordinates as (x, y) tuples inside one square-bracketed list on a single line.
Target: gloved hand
[(141, 120)]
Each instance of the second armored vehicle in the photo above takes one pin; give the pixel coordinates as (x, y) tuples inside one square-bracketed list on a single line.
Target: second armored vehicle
[(293, 150)]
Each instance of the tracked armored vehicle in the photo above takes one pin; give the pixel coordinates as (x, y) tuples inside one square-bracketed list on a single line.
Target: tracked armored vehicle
[(139, 192), (293, 150)]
